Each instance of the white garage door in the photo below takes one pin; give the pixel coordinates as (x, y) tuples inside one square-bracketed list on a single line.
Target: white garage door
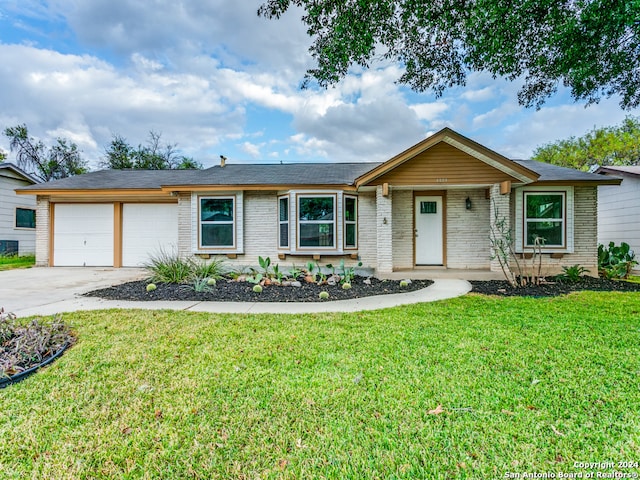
[(146, 230), (83, 235)]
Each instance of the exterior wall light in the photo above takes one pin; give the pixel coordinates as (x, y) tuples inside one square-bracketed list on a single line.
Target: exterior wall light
[(468, 204)]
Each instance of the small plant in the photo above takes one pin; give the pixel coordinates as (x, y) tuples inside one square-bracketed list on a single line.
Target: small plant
[(277, 273), (347, 273), (257, 278), (168, 267), (404, 284), (310, 271), (265, 264), (151, 287), (257, 288), (211, 282), (201, 285), (295, 272), (322, 278), (323, 295), (571, 274), (213, 268), (616, 262), (346, 286)]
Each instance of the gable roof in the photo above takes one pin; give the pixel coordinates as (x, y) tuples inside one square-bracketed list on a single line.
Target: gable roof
[(460, 142), (18, 171)]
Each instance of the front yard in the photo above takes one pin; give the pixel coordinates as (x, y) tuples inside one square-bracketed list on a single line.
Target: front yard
[(474, 387)]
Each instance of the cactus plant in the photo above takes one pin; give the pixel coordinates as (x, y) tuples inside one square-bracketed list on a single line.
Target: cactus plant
[(323, 295), (257, 288), (151, 287)]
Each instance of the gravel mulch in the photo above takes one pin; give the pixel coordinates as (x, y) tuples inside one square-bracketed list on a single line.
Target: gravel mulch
[(552, 288), (231, 291)]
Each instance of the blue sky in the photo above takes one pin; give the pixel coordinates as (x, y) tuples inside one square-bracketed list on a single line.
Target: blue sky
[(216, 79)]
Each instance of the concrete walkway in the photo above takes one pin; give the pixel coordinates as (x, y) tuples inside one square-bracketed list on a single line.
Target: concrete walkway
[(440, 290)]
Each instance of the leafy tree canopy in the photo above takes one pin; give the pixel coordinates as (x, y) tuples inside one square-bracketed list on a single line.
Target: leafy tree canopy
[(618, 145), (590, 46), (60, 160), (151, 156)]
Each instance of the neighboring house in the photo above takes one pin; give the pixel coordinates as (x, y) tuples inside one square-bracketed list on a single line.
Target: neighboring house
[(431, 205), (619, 208), (17, 213)]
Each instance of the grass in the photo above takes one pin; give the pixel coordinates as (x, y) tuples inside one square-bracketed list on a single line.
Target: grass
[(14, 261), (525, 385)]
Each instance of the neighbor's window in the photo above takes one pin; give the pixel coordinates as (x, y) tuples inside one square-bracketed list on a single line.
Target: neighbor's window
[(316, 221), (217, 227), (350, 222), (283, 222), (25, 218), (544, 217)]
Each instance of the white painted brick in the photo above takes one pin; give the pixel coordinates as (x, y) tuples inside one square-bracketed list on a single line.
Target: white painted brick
[(468, 230), (402, 229), (384, 226), (42, 231)]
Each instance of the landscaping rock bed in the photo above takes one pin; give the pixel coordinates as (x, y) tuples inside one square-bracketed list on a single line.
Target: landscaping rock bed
[(552, 288), (227, 290)]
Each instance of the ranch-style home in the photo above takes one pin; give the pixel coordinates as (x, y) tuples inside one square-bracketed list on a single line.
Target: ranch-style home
[(432, 205), (17, 213)]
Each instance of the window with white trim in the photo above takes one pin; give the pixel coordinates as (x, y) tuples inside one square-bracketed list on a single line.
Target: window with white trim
[(25, 218), (316, 221), (545, 217), (350, 213), (283, 222), (217, 226)]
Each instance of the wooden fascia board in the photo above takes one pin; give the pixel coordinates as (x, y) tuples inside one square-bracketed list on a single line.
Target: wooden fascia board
[(581, 183), (460, 142), (227, 188), (89, 193)]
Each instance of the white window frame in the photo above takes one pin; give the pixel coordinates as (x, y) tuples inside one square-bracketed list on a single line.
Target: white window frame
[(200, 222), (284, 222), (349, 222), (520, 219), (562, 220), (15, 223), (334, 222)]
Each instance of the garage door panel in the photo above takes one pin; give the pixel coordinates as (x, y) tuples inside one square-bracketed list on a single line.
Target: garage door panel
[(148, 229), (83, 235)]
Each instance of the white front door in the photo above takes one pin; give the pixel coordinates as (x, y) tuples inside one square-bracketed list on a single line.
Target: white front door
[(429, 230)]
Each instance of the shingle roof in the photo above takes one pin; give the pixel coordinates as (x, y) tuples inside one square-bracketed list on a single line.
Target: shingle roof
[(633, 170), (554, 173), (267, 174), (19, 171), (235, 174)]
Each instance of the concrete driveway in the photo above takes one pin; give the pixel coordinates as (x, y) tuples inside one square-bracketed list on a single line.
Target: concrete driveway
[(26, 289)]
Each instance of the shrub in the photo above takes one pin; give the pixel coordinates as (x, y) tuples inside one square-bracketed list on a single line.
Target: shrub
[(211, 282), (27, 345), (323, 295), (615, 262), (257, 288), (151, 287), (169, 267), (346, 286), (200, 285), (403, 284), (571, 274)]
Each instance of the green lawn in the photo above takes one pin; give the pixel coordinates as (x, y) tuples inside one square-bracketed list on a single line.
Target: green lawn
[(526, 385), (15, 261)]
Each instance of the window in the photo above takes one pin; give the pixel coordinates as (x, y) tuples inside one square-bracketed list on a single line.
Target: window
[(217, 226), (25, 218), (316, 224), (544, 216), (350, 222), (283, 222)]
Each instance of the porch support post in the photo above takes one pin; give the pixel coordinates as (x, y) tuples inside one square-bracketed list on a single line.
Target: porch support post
[(384, 230), (499, 210), (43, 231), (184, 225)]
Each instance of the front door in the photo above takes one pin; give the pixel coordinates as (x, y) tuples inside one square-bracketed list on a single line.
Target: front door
[(429, 230)]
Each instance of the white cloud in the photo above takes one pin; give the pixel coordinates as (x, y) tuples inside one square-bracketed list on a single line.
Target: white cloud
[(251, 149), (429, 111)]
